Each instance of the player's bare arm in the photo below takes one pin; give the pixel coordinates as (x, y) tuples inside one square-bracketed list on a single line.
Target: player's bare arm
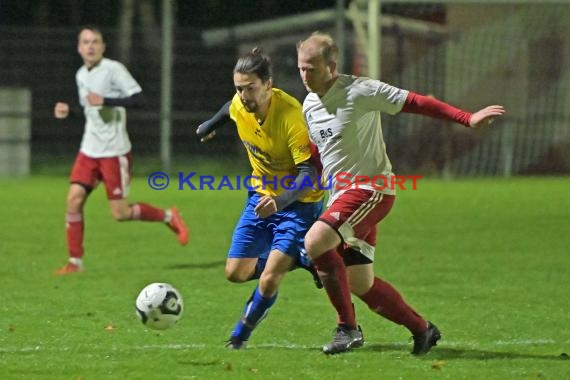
[(61, 110), (486, 116)]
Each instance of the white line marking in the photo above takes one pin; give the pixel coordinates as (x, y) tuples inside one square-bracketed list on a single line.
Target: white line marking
[(517, 342)]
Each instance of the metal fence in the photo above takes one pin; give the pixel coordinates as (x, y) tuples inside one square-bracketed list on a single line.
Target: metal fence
[(518, 57)]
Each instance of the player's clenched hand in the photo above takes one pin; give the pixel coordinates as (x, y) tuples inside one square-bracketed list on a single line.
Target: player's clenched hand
[(265, 207), (61, 110), (94, 99), (204, 137), (485, 116)]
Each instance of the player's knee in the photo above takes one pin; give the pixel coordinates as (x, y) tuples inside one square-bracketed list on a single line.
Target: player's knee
[(269, 282), (236, 275), (320, 238), (312, 243), (75, 201)]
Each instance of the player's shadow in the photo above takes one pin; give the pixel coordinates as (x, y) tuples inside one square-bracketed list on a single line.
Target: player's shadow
[(448, 353), (211, 264)]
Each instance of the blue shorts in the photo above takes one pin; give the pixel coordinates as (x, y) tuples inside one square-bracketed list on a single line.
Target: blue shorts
[(285, 230)]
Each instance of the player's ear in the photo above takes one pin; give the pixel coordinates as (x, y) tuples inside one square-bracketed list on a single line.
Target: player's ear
[(332, 66), (269, 84)]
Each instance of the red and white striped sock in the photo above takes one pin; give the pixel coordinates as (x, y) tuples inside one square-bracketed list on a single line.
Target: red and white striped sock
[(147, 213)]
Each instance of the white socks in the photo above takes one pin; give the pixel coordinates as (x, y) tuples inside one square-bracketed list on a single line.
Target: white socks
[(76, 261), (167, 215)]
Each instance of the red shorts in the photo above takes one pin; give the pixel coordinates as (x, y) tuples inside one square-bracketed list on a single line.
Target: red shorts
[(114, 172), (355, 215)]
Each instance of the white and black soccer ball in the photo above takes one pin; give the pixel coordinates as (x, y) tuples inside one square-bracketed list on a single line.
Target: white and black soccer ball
[(159, 306)]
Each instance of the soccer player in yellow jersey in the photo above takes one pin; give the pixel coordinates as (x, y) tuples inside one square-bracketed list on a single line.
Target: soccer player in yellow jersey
[(283, 200)]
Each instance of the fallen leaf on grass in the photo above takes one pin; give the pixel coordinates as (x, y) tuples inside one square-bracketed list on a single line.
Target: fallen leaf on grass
[(437, 364)]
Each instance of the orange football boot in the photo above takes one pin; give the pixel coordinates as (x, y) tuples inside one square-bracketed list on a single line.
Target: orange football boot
[(178, 226), (69, 268)]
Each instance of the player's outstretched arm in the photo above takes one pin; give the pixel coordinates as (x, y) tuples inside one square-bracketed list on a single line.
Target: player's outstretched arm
[(207, 129), (430, 106), (486, 116)]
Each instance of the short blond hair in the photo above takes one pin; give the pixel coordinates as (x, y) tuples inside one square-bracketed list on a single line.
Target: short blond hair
[(328, 49)]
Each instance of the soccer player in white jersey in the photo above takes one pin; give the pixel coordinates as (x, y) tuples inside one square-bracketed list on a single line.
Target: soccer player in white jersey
[(106, 89), (343, 116)]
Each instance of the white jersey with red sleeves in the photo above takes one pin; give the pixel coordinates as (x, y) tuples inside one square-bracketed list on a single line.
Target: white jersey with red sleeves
[(105, 132), (345, 125)]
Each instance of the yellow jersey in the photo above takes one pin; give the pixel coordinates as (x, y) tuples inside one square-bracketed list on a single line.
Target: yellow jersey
[(275, 146)]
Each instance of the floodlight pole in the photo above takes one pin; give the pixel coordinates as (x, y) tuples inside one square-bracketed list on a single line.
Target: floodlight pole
[(374, 31), (340, 40), (166, 86)]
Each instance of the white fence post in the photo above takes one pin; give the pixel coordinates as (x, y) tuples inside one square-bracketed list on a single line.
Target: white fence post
[(15, 122)]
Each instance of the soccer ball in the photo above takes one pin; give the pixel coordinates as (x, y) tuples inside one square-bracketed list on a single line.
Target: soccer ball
[(159, 306)]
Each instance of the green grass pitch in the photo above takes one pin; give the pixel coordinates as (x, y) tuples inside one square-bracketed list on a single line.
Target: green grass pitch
[(487, 260)]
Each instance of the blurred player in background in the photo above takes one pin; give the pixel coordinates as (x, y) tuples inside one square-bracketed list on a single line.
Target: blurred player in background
[(268, 239), (343, 115), (106, 89)]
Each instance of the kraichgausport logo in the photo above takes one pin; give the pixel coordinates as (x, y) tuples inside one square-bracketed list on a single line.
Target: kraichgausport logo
[(341, 181)]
